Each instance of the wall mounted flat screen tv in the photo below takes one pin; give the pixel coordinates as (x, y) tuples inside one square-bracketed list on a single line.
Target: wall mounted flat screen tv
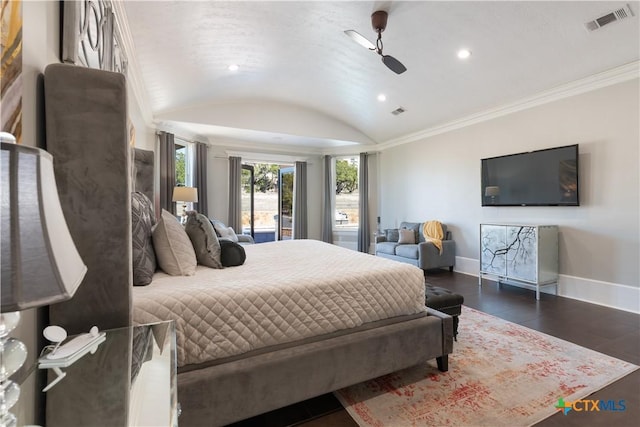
[(537, 178)]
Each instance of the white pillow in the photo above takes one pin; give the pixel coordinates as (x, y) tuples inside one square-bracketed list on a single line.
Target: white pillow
[(225, 232), (407, 236), (173, 247)]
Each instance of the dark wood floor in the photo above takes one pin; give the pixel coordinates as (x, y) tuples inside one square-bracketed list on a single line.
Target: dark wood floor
[(609, 331)]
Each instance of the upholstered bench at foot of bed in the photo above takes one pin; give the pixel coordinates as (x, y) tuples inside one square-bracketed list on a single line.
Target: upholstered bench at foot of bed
[(244, 387), (445, 301)]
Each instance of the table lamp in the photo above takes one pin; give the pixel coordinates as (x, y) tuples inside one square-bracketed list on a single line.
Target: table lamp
[(40, 263), (185, 195)]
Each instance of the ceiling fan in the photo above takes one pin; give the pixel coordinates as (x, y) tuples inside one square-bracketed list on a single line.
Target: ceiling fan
[(379, 23)]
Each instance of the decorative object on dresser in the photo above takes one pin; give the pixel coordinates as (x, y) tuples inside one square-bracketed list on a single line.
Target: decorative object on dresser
[(525, 254), (40, 263)]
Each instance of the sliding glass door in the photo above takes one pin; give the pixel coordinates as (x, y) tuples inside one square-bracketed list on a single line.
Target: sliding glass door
[(248, 201), (285, 205), (267, 201)]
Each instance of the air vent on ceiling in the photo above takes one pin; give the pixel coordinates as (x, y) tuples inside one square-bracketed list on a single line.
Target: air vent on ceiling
[(614, 16), (398, 111)]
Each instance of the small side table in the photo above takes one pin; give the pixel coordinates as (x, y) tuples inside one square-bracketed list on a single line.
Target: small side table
[(129, 380)]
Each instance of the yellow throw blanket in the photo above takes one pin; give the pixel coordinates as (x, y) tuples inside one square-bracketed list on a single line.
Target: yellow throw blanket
[(432, 231)]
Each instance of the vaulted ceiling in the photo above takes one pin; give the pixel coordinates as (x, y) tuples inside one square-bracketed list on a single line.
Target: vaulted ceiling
[(302, 83)]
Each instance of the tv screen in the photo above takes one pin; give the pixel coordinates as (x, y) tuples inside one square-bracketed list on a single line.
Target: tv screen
[(537, 178)]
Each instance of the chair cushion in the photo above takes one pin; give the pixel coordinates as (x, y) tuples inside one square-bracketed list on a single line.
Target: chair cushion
[(386, 248), (407, 251)]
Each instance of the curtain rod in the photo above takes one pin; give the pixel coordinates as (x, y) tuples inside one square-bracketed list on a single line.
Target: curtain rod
[(184, 139)]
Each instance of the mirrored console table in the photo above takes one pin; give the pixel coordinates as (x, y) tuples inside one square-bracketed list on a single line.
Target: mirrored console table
[(130, 380)]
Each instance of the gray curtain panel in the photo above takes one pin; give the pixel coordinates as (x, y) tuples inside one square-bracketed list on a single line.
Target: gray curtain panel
[(300, 201), (200, 182), (327, 205), (363, 186), (167, 171), (235, 201)]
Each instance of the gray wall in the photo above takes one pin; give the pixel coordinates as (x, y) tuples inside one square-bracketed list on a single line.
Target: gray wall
[(439, 178)]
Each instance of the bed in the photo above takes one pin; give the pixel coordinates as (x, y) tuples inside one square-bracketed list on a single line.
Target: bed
[(298, 319)]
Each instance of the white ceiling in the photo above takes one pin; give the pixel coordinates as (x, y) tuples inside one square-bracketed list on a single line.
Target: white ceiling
[(302, 82)]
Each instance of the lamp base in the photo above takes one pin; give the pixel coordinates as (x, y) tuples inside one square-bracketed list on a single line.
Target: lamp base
[(13, 353)]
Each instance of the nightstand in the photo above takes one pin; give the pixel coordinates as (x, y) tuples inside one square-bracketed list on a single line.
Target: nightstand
[(129, 380)]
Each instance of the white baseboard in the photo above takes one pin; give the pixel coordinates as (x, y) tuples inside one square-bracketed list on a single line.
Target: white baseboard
[(614, 295), (468, 266)]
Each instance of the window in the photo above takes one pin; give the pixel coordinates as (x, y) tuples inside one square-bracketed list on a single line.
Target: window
[(347, 210), (184, 169), (184, 164)]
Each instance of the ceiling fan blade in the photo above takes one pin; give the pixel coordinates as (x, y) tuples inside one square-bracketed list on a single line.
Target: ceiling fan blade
[(360, 39), (393, 64)]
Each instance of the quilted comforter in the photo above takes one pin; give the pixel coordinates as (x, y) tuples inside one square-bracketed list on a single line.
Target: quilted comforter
[(285, 291)]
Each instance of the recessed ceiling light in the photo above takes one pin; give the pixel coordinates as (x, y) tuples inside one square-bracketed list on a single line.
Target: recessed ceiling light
[(382, 97), (233, 67), (464, 53)]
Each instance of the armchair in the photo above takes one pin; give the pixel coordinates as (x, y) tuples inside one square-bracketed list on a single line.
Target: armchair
[(422, 254), (228, 233)]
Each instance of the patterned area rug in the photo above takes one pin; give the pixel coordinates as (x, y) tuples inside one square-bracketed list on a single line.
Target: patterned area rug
[(500, 374)]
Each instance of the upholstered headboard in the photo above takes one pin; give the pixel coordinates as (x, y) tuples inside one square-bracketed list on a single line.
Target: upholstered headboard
[(86, 132), (143, 175)]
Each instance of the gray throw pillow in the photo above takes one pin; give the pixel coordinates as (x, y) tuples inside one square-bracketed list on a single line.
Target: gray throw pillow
[(173, 248), (391, 234), (143, 255), (204, 239)]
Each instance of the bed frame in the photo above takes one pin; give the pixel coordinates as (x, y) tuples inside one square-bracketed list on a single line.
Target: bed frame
[(86, 129)]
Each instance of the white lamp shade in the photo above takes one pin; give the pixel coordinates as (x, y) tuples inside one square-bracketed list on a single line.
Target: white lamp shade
[(185, 194), (40, 263)]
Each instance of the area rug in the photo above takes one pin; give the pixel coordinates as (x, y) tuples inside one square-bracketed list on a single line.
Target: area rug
[(500, 374)]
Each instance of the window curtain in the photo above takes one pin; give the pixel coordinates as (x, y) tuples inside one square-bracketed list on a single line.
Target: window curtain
[(300, 201), (200, 178), (167, 171), (235, 195), (363, 187), (327, 205)]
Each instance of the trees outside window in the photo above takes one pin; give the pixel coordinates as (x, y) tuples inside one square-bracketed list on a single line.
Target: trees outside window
[(347, 211)]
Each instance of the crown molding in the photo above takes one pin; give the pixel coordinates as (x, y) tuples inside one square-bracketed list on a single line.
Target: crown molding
[(262, 157), (134, 76), (275, 149), (607, 78)]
